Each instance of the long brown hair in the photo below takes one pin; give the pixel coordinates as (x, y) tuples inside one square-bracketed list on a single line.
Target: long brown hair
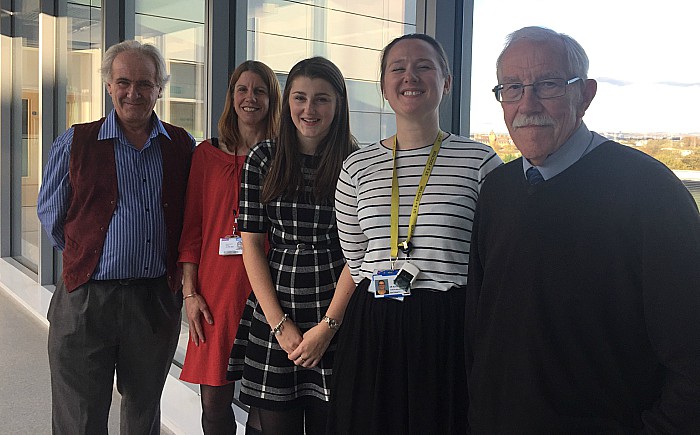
[(229, 133), (285, 177)]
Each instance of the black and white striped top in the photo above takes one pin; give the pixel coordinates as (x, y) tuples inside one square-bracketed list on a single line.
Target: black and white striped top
[(443, 230)]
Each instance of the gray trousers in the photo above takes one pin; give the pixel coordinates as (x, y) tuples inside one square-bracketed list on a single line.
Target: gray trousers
[(130, 327)]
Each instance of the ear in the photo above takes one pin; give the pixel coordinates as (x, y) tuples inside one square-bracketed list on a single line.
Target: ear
[(448, 85), (590, 87)]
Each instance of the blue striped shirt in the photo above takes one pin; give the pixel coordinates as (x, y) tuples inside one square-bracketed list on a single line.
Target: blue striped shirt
[(135, 245)]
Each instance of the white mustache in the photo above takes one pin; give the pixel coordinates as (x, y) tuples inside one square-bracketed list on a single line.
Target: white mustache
[(533, 120)]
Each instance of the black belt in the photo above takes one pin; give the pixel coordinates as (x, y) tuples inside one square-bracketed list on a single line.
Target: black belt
[(134, 281), (306, 247)]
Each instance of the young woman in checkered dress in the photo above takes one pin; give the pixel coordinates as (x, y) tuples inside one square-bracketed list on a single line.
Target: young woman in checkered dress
[(284, 348)]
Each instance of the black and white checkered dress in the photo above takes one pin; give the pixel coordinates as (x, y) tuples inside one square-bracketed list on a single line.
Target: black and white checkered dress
[(305, 279)]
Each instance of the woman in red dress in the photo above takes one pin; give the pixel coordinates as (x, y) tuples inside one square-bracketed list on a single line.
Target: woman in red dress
[(215, 285)]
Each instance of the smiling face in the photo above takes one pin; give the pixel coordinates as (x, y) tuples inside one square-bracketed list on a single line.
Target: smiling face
[(312, 104), (540, 127), (251, 99), (413, 80), (133, 88)]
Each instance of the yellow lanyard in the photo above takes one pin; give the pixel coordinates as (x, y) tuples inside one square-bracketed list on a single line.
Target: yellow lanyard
[(416, 201)]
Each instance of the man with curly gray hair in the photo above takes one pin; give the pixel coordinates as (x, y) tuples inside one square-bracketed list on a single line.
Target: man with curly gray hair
[(112, 201)]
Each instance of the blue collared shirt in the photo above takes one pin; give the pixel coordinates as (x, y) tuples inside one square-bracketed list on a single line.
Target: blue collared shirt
[(135, 244), (582, 142)]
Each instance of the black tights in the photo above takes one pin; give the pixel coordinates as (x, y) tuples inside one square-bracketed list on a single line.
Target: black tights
[(217, 414), (312, 418), (252, 426)]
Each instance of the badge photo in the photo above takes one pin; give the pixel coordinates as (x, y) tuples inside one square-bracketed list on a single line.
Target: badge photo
[(383, 285)]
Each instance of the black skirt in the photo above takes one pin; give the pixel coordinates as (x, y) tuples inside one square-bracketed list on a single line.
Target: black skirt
[(399, 365)]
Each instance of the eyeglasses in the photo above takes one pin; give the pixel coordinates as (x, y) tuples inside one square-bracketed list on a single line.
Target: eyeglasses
[(544, 89), (141, 86)]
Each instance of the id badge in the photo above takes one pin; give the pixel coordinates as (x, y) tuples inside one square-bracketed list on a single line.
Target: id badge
[(230, 245), (383, 285), (406, 276)]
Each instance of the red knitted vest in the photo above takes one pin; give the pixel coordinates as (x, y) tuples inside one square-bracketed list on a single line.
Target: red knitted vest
[(93, 177)]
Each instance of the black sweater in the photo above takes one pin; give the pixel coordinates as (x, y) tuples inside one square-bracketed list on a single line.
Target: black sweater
[(583, 305)]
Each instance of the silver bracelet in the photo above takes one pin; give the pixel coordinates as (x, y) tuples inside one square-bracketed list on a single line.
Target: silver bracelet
[(332, 323), (277, 330)]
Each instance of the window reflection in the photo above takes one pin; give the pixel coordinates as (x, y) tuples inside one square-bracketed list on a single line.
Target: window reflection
[(355, 62), (365, 96), (279, 52), (181, 40), (370, 126), (178, 10), (26, 116), (400, 11), (351, 33), (83, 83)]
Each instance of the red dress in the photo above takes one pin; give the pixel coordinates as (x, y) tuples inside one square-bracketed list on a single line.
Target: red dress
[(212, 200)]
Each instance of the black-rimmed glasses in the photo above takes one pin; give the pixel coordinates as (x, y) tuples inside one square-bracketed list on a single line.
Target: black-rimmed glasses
[(544, 89)]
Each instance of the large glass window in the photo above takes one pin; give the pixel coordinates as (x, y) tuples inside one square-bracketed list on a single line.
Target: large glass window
[(24, 133), (84, 88), (349, 33), (177, 29), (647, 81)]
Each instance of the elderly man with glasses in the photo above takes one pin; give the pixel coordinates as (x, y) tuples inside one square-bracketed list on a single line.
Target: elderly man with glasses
[(583, 299)]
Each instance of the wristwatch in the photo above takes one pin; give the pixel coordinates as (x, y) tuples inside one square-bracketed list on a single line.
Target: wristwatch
[(332, 323)]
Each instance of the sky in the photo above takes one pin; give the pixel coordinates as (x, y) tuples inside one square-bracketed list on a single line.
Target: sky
[(644, 54)]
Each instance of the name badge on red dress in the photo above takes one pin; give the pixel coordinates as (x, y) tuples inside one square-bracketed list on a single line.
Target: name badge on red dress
[(230, 245)]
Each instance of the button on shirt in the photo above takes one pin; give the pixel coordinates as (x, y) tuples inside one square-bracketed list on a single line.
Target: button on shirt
[(135, 244), (582, 142)]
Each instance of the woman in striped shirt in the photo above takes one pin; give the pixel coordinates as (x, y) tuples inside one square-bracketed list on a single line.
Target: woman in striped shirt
[(399, 366)]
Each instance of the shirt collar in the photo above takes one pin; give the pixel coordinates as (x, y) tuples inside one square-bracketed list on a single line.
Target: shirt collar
[(110, 128), (578, 145)]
